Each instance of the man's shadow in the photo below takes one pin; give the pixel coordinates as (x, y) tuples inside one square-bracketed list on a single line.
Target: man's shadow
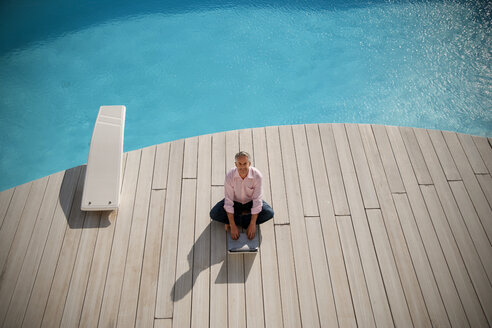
[(209, 249)]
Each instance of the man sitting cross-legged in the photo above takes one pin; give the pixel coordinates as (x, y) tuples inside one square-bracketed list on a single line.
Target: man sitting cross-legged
[(243, 204)]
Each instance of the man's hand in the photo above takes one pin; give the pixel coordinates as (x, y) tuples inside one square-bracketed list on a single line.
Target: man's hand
[(234, 232), (232, 225), (251, 230)]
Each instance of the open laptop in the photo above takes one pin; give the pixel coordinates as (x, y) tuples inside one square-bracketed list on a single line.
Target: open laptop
[(243, 244)]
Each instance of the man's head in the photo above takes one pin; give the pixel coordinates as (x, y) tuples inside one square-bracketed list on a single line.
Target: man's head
[(242, 163)]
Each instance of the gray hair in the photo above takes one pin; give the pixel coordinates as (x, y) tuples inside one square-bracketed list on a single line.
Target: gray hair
[(241, 154)]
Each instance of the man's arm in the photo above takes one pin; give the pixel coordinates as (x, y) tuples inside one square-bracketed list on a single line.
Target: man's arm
[(229, 206), (257, 206), (228, 196), (251, 231), (232, 225), (257, 196)]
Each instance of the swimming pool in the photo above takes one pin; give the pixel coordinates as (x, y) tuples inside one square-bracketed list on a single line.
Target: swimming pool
[(194, 67)]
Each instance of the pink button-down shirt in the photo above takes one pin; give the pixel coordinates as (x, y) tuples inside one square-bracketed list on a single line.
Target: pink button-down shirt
[(243, 190)]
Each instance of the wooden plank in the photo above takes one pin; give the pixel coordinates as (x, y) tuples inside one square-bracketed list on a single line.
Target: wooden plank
[(246, 143), (78, 284), (427, 282), (56, 195), (268, 251), (358, 288), (485, 182), (264, 275), (46, 271), (261, 159), (167, 267), (444, 155), (424, 228), (415, 155), (361, 167), (150, 267), (461, 235), (218, 158), (13, 265), (469, 179), (5, 198), (252, 264), (394, 290), (485, 151), (287, 277), (304, 275), (161, 166), (12, 219), (99, 268), (201, 249), (321, 274), (235, 292), (97, 276), (20, 243), (218, 251), (235, 264), (390, 167), (218, 266), (279, 199), (66, 260), (133, 267), (458, 227), (123, 168), (340, 285), (114, 281), (190, 158), (163, 323), (474, 226), (409, 282), (472, 154), (333, 169), (309, 203), (184, 261), (231, 148), (382, 314), (462, 281), (253, 291)]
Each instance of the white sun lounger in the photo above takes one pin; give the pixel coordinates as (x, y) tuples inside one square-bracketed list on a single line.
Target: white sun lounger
[(104, 166)]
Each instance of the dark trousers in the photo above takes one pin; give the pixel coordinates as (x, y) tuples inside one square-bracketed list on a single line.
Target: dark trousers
[(218, 213)]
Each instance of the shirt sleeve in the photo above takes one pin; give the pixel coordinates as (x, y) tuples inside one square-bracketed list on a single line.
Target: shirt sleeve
[(257, 195), (228, 194)]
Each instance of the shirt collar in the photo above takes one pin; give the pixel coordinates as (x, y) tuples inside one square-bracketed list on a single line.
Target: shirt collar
[(249, 176)]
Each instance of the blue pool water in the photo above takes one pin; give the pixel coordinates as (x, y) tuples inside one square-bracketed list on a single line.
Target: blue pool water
[(190, 67)]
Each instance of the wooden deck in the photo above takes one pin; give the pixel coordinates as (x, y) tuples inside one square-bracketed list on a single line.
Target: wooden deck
[(374, 226)]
